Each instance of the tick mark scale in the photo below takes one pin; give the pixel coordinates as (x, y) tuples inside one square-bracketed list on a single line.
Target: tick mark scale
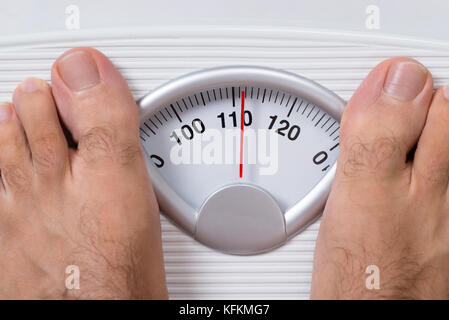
[(197, 129)]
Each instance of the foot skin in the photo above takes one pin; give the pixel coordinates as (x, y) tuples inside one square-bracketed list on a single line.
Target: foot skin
[(389, 205), (91, 206)]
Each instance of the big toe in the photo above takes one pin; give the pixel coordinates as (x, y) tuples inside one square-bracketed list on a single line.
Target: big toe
[(95, 104), (384, 119)]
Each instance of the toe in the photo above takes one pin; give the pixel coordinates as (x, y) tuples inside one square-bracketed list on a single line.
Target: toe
[(36, 109), (431, 163), (96, 105), (15, 164), (384, 119)]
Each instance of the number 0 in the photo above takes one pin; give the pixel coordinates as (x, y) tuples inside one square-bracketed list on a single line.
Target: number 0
[(320, 157)]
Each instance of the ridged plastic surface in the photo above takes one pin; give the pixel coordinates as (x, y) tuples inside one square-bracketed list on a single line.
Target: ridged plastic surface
[(194, 271)]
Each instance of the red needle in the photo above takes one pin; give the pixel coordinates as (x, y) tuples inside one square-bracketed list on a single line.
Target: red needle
[(242, 126)]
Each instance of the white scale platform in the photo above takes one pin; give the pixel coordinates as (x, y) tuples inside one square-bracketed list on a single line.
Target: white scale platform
[(335, 43)]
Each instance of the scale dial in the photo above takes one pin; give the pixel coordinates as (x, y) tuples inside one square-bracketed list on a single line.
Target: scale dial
[(241, 158)]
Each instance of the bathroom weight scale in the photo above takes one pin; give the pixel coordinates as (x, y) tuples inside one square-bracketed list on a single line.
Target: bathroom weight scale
[(241, 206)]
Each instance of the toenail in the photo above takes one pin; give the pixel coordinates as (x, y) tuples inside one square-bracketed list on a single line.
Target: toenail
[(405, 80), (446, 92), (30, 85), (5, 111), (78, 70)]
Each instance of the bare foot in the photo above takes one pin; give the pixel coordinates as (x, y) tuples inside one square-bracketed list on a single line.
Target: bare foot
[(389, 206), (92, 207)]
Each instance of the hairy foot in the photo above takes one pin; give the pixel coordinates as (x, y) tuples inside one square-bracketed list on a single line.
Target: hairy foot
[(389, 206), (92, 206)]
